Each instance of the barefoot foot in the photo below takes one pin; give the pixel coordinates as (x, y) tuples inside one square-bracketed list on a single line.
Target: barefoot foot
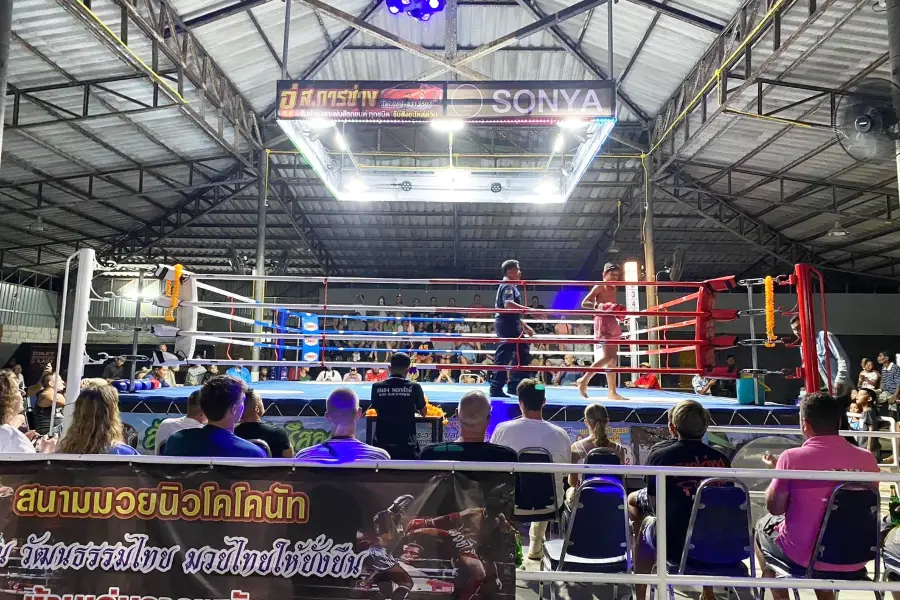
[(616, 396)]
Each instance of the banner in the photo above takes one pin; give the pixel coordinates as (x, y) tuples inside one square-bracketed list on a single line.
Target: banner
[(496, 101), (114, 531)]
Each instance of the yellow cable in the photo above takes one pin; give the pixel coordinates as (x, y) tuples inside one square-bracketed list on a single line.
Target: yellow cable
[(153, 74), (715, 78), (770, 311)]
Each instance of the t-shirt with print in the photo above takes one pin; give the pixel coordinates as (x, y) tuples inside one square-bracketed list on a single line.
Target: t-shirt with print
[(798, 531), (396, 400), (680, 491)]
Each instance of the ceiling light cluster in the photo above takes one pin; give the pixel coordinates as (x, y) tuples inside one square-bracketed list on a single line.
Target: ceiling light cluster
[(422, 10)]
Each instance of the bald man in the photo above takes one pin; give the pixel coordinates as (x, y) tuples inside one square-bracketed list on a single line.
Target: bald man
[(342, 412), (474, 414)]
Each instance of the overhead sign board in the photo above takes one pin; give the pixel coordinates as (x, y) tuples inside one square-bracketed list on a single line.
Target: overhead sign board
[(489, 101)]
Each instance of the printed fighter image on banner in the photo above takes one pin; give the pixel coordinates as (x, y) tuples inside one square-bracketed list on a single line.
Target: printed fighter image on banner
[(101, 531)]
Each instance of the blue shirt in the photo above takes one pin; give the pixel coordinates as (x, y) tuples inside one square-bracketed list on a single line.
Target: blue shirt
[(342, 450), (890, 378), (210, 440), (507, 325)]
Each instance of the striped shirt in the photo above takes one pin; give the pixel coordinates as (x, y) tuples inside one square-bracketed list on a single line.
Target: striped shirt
[(341, 450), (890, 378)]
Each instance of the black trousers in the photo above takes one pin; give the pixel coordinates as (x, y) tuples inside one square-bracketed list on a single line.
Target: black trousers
[(514, 354)]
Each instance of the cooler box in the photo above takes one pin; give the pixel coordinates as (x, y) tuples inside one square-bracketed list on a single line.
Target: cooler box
[(745, 391)]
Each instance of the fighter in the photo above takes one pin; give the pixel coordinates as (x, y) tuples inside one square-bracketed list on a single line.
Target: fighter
[(384, 570), (606, 327)]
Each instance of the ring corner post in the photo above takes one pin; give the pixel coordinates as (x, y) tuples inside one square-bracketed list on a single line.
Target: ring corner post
[(78, 336), (806, 314)]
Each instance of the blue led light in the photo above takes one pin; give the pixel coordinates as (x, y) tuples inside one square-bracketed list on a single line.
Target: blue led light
[(422, 10)]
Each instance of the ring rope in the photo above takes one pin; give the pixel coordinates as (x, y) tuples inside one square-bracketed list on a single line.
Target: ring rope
[(769, 285)]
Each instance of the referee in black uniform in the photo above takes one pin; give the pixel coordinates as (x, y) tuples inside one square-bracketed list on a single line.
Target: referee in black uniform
[(510, 326)]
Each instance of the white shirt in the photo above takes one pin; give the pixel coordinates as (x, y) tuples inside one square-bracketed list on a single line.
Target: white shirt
[(170, 426), (351, 376), (12, 440), (531, 433), (331, 376), (698, 383), (342, 450)]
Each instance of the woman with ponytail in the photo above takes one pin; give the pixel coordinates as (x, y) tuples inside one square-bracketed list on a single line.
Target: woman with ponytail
[(596, 418)]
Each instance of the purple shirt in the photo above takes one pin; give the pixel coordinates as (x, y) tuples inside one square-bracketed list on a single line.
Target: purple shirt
[(807, 499)]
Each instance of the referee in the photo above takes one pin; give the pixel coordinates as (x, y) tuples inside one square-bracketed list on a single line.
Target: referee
[(510, 326)]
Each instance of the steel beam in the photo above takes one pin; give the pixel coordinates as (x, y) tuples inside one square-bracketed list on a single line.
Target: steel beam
[(681, 15)]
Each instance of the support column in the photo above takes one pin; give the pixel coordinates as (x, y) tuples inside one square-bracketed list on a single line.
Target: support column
[(78, 337), (259, 287), (893, 23), (286, 40), (649, 254), (6, 9)]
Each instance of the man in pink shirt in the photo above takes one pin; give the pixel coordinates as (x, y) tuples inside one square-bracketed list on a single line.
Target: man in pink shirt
[(795, 506)]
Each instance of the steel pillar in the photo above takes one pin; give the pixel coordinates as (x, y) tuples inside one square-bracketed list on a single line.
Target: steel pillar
[(259, 287)]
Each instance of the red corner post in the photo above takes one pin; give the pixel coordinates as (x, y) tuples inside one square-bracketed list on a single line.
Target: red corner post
[(706, 327), (806, 312)]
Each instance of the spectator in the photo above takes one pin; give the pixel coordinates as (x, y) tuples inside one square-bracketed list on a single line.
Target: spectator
[(688, 421), (222, 401), (381, 313), (12, 440), (890, 379), (596, 418), (477, 303), (329, 374), (263, 374), (532, 431), (211, 371), (838, 364), (444, 375), (301, 374), (869, 377), (796, 507), (49, 400), (728, 387), (193, 419), (867, 421), (160, 374), (194, 375), (353, 376), (702, 385), (373, 375), (646, 381), (114, 369), (474, 414), (342, 412), (567, 377), (252, 428), (397, 400), (96, 425), (17, 373)]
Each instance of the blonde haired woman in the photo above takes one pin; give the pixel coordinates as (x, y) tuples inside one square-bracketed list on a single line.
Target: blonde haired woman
[(96, 425), (597, 420)]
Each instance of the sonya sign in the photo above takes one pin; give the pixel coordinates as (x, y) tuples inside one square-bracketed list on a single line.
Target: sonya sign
[(489, 101)]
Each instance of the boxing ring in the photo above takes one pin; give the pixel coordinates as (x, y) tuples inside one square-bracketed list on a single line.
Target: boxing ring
[(678, 337)]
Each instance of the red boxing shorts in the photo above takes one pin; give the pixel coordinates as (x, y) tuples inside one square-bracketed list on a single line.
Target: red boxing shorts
[(606, 327)]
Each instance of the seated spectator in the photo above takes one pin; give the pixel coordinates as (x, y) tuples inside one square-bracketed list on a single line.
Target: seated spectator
[(342, 412), (114, 369), (474, 414), (444, 375), (251, 427), (222, 401), (49, 400), (596, 418), (300, 374), (264, 374), (869, 377), (567, 377), (211, 371), (890, 379), (397, 401), (688, 422), (12, 420), (867, 408), (20, 379), (373, 375), (96, 425), (353, 376), (194, 375), (702, 386), (532, 431), (796, 507), (329, 375), (193, 419), (161, 374), (647, 381)]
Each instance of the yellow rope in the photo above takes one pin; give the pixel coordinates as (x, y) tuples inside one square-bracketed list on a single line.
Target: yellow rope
[(770, 312), (173, 290)]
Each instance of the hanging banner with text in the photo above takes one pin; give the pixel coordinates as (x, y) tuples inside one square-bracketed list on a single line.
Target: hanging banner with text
[(492, 101), (108, 531)]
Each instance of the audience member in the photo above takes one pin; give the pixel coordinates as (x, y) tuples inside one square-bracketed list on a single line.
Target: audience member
[(12, 419), (532, 431), (688, 422), (96, 426), (329, 374), (251, 427), (396, 401), (192, 419), (222, 401), (838, 364), (211, 371), (114, 369), (869, 377), (646, 381), (49, 400), (20, 379), (444, 375), (728, 387), (353, 376), (161, 374), (796, 507), (342, 412), (474, 414), (890, 379), (567, 377), (867, 408), (702, 385), (596, 418)]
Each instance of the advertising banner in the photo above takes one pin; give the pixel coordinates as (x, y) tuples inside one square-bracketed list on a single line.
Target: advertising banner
[(107, 531), (503, 101)]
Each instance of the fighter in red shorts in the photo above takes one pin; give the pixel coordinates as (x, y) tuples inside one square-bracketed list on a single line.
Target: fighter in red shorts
[(473, 533), (382, 568), (606, 327)]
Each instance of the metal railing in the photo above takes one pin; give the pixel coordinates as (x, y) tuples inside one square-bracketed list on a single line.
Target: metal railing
[(661, 579)]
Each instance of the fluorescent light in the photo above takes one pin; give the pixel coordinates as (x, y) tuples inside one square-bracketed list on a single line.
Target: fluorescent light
[(632, 271), (452, 177), (546, 187), (355, 186), (570, 124), (319, 123), (559, 143), (448, 125), (340, 142)]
